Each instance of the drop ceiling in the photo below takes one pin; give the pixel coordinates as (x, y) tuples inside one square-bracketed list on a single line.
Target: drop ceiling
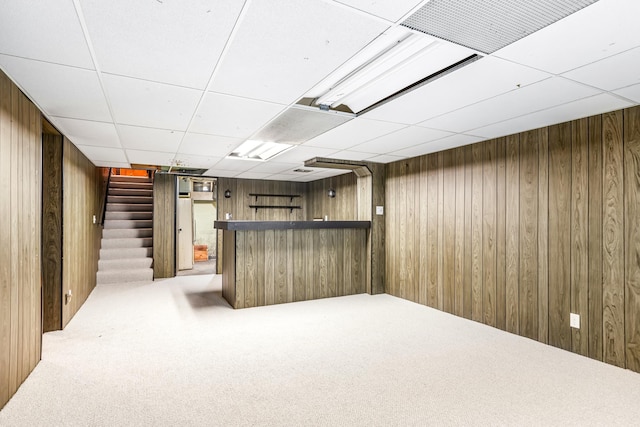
[(172, 83)]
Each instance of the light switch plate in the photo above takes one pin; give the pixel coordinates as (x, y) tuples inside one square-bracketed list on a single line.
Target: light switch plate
[(379, 210), (574, 320)]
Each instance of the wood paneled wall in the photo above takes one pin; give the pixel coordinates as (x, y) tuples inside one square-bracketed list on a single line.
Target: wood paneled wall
[(52, 232), (164, 225), (342, 207), (238, 204), (20, 233), (280, 266), (518, 232), (81, 189)]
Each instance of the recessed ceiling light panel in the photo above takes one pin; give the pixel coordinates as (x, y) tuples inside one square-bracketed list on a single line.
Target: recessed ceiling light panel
[(258, 150), (487, 26)]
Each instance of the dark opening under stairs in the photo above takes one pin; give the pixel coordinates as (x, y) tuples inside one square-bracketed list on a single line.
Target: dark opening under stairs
[(126, 251)]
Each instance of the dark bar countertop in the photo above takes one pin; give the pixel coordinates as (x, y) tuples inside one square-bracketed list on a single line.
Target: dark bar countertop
[(288, 225)]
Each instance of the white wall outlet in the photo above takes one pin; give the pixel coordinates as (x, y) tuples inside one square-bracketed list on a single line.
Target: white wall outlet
[(94, 219), (67, 296), (379, 210), (574, 320)]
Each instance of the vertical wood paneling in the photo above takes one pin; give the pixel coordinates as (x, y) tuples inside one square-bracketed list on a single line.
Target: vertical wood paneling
[(20, 233), (459, 173), (543, 236), (448, 225), (402, 230), (467, 299), (560, 235), (613, 236), (423, 268), (81, 238), (432, 230), (520, 231), (52, 233), (489, 230), (579, 235), (632, 233), (476, 232), (411, 224), (528, 289), (512, 267), (595, 237), (164, 227), (501, 256)]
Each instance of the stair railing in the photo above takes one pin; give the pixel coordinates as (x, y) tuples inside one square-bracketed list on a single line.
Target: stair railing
[(105, 194)]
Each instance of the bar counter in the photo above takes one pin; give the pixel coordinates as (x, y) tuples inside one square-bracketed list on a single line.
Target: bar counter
[(274, 262)]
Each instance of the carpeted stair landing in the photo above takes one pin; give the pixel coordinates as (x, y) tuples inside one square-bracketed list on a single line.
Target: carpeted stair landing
[(127, 238)]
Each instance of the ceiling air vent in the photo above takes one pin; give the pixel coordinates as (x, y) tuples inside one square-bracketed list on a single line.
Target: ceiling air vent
[(487, 26), (300, 170)]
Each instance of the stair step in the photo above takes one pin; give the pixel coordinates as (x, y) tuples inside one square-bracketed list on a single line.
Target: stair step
[(125, 178), (125, 253), (124, 264), (129, 207), (132, 185), (129, 242), (125, 276), (130, 192), (114, 215), (130, 199), (128, 223), (126, 233)]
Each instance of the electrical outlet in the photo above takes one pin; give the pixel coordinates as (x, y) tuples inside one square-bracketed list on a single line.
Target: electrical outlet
[(379, 210), (574, 320), (94, 219), (67, 296)]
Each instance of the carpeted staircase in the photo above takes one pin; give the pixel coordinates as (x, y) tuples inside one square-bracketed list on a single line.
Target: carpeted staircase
[(126, 253)]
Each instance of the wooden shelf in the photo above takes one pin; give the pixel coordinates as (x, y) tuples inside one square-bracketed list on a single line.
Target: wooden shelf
[(256, 207), (288, 196)]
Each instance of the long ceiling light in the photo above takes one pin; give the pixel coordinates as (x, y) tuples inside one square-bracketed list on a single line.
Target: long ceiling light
[(258, 150), (396, 59)]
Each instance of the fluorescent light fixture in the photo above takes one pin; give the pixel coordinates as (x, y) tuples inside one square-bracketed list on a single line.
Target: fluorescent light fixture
[(395, 60), (258, 150)]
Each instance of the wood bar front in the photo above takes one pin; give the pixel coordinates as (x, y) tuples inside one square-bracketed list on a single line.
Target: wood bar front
[(275, 262)]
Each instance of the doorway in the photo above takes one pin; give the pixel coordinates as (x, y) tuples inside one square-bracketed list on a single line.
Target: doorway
[(196, 213)]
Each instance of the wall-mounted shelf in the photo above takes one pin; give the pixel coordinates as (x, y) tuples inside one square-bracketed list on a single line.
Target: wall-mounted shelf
[(289, 196), (291, 208)]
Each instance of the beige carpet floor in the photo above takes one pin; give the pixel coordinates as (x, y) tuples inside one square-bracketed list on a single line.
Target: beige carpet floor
[(172, 353)]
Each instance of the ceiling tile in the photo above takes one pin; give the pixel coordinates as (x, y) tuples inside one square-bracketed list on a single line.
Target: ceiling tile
[(538, 96), (272, 167), (285, 47), (220, 173), (150, 139), (232, 116), (233, 164), (480, 80), (150, 157), (402, 138), (603, 29), (44, 30), (103, 164), (253, 175), (439, 145), (611, 73), (83, 132), (392, 11), (103, 154), (175, 42), (353, 133), (300, 153), (194, 161), (59, 90), (385, 158), (574, 110), (350, 155), (208, 145), (145, 103), (631, 92)]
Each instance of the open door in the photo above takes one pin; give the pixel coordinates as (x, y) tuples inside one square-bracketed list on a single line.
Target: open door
[(185, 234)]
